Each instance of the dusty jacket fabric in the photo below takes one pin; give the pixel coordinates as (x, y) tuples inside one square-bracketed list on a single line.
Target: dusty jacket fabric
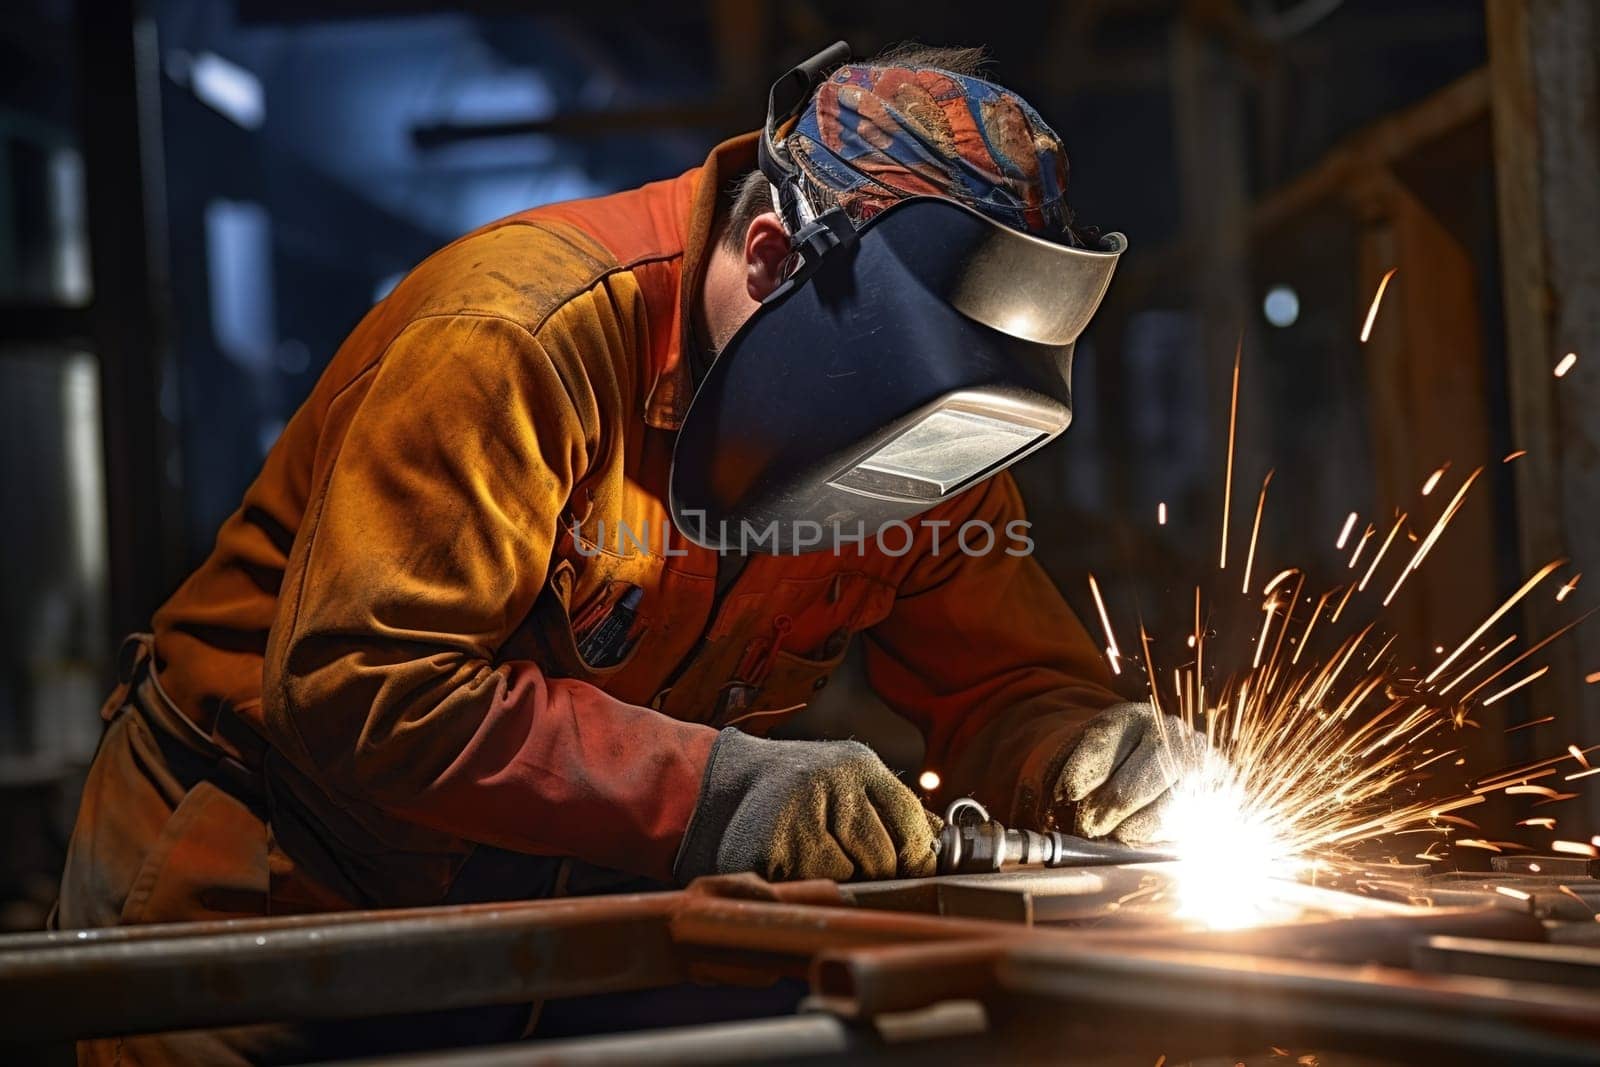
[(392, 605)]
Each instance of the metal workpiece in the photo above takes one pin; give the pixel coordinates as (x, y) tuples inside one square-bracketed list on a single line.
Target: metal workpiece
[(179, 977), (812, 1036), (972, 841), (872, 952), (1568, 965), (1191, 1004), (879, 980), (1384, 939)]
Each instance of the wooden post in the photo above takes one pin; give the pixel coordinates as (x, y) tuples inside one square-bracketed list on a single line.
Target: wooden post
[(1426, 378), (1546, 108), (1208, 120)]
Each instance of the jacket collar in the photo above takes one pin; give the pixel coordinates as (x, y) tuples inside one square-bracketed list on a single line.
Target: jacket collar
[(696, 206)]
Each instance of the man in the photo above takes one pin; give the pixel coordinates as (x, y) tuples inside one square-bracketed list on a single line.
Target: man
[(412, 670)]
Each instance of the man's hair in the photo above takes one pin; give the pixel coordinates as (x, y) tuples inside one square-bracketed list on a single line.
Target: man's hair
[(750, 196)]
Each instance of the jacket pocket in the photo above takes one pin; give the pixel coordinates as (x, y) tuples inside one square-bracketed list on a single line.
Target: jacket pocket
[(573, 604), (208, 862), (791, 683), (799, 633)]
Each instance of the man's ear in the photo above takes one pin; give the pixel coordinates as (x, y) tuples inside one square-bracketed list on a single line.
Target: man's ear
[(766, 248)]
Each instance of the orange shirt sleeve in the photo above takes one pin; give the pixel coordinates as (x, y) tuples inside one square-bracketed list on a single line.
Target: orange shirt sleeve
[(982, 653), (428, 537)]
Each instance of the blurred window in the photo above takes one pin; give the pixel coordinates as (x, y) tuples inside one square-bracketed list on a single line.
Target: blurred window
[(52, 554), (43, 244)]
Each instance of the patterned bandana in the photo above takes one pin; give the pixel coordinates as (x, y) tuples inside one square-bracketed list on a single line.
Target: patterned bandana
[(874, 135)]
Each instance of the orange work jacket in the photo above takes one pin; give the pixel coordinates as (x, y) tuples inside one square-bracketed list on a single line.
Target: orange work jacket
[(392, 605)]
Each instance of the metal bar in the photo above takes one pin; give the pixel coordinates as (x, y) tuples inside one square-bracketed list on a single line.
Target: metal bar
[(799, 930), (792, 1039), (899, 977), (1569, 965), (449, 958), (744, 1042), (895, 978), (346, 966), (1382, 939), (1215, 1002)]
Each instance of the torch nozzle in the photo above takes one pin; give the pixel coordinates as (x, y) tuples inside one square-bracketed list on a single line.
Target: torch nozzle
[(972, 845)]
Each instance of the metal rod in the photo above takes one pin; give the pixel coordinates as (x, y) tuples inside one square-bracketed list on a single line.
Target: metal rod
[(798, 1038), (1570, 965), (1215, 1002), (339, 970)]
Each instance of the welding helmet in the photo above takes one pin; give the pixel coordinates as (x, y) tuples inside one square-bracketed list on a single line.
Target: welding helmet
[(900, 363)]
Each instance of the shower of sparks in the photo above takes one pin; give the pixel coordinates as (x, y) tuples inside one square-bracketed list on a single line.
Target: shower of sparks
[(1526, 725), (1579, 899), (1366, 535), (1512, 688), (1112, 652), (1511, 602), (1566, 590), (1344, 534), (1227, 482), (1518, 454), (1382, 549), (1433, 535), (1372, 312), (1161, 513), (1566, 364), (1433, 479), (1592, 678), (1327, 741), (1255, 532)]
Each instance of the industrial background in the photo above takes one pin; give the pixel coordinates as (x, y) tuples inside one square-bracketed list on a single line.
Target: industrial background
[(198, 199)]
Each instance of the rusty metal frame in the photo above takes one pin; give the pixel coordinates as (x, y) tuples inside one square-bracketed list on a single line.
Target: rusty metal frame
[(865, 965)]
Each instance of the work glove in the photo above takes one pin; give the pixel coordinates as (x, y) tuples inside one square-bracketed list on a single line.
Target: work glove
[(803, 809), (1119, 772)]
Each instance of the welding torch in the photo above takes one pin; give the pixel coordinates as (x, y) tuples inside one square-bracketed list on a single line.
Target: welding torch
[(969, 846)]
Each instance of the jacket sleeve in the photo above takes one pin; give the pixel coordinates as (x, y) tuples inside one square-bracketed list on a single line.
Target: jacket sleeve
[(426, 541), (982, 653)]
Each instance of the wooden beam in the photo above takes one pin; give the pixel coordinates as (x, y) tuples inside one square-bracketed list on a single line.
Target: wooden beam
[(1546, 103), (1378, 146), (1339, 174)]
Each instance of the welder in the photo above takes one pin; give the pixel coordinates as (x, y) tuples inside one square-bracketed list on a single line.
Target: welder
[(599, 495)]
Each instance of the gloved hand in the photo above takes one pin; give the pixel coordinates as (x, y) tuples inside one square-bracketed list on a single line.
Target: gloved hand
[(803, 809), (1119, 772)]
